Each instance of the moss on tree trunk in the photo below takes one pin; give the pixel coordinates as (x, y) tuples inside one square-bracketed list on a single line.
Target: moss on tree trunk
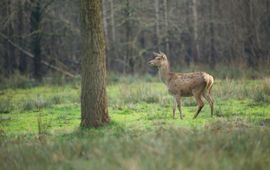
[(94, 110)]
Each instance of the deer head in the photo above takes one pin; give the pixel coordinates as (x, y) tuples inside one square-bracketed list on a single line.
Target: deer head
[(160, 59)]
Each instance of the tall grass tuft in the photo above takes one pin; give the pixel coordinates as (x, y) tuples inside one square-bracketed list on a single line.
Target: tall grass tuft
[(6, 105), (27, 105), (38, 103), (17, 81), (221, 145), (266, 86), (140, 92), (262, 92), (43, 124)]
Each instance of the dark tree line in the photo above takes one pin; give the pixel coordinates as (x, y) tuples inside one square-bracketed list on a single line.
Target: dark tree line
[(190, 32)]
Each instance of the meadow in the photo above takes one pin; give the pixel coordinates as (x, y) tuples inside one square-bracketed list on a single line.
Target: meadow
[(39, 127)]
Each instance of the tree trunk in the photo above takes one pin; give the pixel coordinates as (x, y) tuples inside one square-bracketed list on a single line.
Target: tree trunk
[(94, 109), (105, 23), (129, 55), (157, 24), (112, 20), (212, 59), (187, 35), (166, 25), (36, 37), (250, 45), (9, 62), (112, 53), (267, 28), (106, 32), (196, 53), (22, 58)]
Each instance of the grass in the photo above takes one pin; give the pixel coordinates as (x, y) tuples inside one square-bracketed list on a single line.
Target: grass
[(39, 128)]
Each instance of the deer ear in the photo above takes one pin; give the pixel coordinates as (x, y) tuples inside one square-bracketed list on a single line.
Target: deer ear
[(156, 54), (163, 55)]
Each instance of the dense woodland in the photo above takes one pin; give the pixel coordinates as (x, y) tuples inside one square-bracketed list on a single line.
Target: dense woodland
[(39, 36)]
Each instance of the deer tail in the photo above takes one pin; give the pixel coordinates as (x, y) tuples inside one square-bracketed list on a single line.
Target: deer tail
[(210, 83)]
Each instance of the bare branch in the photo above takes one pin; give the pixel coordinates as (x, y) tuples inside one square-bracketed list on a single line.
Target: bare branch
[(64, 72)]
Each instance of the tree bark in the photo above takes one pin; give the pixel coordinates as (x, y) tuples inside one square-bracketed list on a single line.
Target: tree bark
[(212, 59), (129, 60), (157, 24), (196, 56), (166, 24), (187, 36), (267, 28), (35, 21), (106, 31), (22, 59), (105, 23), (113, 42), (250, 45), (94, 109), (112, 20), (9, 62)]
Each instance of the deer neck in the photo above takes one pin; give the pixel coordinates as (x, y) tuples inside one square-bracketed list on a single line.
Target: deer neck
[(164, 73)]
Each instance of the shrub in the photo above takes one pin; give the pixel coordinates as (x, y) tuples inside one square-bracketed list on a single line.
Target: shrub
[(262, 92), (266, 86), (17, 81), (6, 105), (139, 93), (37, 103), (43, 124), (56, 99), (27, 105), (41, 102)]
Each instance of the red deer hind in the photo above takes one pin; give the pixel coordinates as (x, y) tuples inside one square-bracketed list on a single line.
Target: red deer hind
[(179, 85)]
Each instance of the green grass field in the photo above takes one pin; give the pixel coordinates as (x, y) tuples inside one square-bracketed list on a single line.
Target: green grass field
[(39, 128)]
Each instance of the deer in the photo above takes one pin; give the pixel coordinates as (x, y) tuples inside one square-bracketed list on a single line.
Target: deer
[(196, 84)]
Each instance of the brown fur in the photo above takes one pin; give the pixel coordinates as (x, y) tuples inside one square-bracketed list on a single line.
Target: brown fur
[(179, 85)]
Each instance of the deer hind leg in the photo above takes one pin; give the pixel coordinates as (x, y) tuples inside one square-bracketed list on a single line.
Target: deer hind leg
[(199, 103), (209, 99), (178, 101), (174, 107)]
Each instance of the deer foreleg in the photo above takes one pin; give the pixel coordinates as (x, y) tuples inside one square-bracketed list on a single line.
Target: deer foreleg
[(178, 101)]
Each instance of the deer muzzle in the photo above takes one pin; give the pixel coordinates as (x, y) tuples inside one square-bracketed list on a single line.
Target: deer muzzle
[(151, 63)]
